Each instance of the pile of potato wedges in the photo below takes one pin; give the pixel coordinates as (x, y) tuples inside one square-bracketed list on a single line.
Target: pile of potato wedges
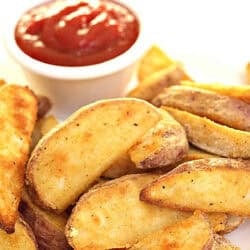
[(166, 167)]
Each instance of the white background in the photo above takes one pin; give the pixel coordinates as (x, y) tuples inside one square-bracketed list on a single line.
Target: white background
[(211, 38)]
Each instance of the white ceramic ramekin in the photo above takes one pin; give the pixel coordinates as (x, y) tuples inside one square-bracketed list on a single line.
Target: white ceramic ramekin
[(69, 88)]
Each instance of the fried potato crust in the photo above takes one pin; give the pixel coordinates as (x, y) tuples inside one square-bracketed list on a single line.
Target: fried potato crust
[(223, 109), (193, 233), (213, 137), (18, 110), (210, 185), (72, 156)]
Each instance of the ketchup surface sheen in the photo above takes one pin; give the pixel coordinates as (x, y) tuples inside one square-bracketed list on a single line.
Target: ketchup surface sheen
[(78, 32)]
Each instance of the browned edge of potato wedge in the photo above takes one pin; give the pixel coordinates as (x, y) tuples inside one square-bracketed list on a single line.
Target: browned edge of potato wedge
[(47, 227), (22, 238), (192, 233), (210, 185), (18, 113), (213, 137), (241, 92), (73, 155), (44, 106), (163, 145), (112, 216), (156, 82), (153, 60), (223, 109)]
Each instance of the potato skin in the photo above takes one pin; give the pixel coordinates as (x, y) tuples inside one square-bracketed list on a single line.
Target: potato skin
[(219, 108), (48, 236)]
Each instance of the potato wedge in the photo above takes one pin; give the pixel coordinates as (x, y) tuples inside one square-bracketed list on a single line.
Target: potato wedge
[(163, 145), (18, 110), (73, 155), (193, 233), (241, 92), (22, 238), (213, 137), (221, 243), (112, 216), (44, 106), (232, 223), (47, 227), (184, 187), (223, 109), (155, 83), (196, 154), (155, 59)]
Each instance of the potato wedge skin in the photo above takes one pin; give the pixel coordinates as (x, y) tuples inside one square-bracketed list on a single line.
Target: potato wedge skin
[(22, 238), (163, 145), (174, 237), (73, 155), (112, 216), (213, 137), (241, 92), (155, 83), (18, 110), (48, 228), (182, 188), (219, 108)]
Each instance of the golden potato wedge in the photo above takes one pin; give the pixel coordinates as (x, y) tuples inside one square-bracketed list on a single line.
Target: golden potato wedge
[(42, 127), (22, 238), (193, 233), (203, 185), (223, 109), (73, 155), (112, 216), (152, 61), (18, 110), (241, 92), (213, 137), (155, 83), (47, 227), (163, 145), (248, 73), (221, 243), (196, 154)]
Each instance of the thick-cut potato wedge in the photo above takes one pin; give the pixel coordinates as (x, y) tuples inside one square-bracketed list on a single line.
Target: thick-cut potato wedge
[(193, 233), (204, 185), (47, 227), (152, 61), (22, 238), (248, 73), (73, 155), (241, 92), (112, 216), (221, 243), (163, 145), (223, 109), (18, 110), (155, 83), (213, 137), (42, 127)]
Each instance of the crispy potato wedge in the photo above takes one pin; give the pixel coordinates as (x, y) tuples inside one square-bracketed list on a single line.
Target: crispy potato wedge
[(184, 187), (223, 109), (18, 110), (241, 92), (47, 227), (155, 59), (42, 127), (73, 155), (112, 216), (221, 243), (22, 238), (193, 233), (213, 137), (163, 145), (155, 83), (248, 73)]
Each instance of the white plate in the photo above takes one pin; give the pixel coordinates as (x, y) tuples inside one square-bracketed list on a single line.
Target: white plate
[(210, 37)]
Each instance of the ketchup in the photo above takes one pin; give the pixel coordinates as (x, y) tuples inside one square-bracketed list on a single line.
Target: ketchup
[(77, 33)]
